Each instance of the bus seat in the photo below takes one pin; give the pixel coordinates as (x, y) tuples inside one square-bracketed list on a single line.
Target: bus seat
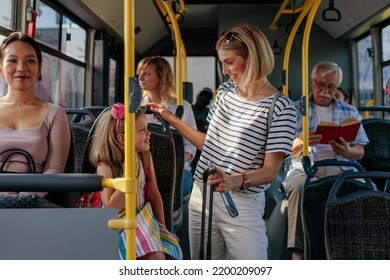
[(87, 166), (58, 234), (314, 198), (178, 196), (65, 199), (80, 137), (377, 152), (85, 115), (357, 225), (162, 148)]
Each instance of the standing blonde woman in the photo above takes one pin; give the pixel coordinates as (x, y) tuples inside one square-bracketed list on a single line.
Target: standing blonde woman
[(157, 83), (238, 145)]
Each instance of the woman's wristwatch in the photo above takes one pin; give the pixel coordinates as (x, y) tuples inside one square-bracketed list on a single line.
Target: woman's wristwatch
[(246, 183)]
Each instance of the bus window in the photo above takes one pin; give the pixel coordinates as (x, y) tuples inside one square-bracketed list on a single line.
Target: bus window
[(50, 24), (62, 82), (47, 26), (111, 87), (201, 72), (6, 15), (366, 86), (63, 74), (386, 62), (73, 39), (386, 44)]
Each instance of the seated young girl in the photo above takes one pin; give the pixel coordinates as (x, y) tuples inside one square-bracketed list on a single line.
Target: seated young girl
[(153, 240)]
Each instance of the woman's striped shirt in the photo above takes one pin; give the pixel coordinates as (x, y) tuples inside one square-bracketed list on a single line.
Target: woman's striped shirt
[(236, 139)]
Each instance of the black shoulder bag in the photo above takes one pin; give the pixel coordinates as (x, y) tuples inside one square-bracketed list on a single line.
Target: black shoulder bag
[(19, 200), (8, 154)]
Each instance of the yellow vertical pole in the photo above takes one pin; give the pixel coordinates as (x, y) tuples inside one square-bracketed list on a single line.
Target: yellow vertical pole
[(178, 60), (305, 74), (184, 57), (130, 197), (306, 8), (178, 44)]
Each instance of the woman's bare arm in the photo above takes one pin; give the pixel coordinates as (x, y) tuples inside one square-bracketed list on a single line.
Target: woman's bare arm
[(196, 137)]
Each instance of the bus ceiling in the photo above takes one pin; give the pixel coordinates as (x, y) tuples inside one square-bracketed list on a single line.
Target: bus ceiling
[(150, 28), (356, 17)]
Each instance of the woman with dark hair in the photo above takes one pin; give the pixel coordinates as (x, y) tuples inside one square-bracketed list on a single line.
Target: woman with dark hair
[(37, 127)]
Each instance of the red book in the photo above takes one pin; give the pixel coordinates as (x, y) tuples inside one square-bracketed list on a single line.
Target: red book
[(348, 129)]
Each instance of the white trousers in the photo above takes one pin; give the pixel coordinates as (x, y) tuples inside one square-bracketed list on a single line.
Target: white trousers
[(240, 238)]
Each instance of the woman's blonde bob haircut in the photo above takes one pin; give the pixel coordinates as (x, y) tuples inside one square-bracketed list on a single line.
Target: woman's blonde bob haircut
[(251, 44)]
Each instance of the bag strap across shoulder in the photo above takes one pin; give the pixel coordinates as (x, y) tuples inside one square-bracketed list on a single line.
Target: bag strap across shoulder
[(271, 110), (12, 152)]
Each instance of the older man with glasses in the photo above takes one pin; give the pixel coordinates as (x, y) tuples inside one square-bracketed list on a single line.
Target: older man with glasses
[(323, 106)]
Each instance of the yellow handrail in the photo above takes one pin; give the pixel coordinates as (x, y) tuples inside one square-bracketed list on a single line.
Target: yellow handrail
[(273, 25), (368, 103), (305, 74), (306, 7), (180, 55), (128, 183), (178, 60), (131, 194), (283, 10)]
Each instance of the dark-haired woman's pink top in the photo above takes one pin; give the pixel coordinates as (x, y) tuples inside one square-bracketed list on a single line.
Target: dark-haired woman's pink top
[(47, 143)]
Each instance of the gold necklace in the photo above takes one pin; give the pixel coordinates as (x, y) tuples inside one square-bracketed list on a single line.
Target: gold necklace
[(260, 89), (257, 92)]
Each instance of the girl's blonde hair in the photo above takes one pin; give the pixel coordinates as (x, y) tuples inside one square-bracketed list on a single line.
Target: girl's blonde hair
[(164, 73), (250, 43), (105, 146)]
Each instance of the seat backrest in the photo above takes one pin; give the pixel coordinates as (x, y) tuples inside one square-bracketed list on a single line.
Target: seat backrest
[(71, 160), (162, 148), (357, 225), (78, 144), (178, 196), (87, 166), (84, 115), (377, 152), (315, 195), (80, 136), (65, 199)]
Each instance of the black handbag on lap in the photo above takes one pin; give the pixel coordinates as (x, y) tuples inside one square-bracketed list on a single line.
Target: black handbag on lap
[(21, 200), (8, 154)]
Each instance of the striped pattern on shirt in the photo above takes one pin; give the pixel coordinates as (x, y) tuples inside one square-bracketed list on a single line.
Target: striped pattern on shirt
[(236, 140)]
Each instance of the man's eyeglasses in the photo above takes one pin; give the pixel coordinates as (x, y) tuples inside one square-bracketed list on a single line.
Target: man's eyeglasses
[(229, 36), (331, 87)]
